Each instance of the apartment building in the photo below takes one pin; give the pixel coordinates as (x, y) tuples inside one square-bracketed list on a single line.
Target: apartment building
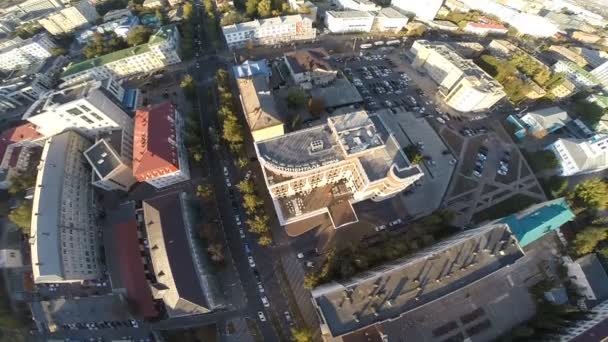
[(601, 74), (324, 169), (70, 18), (580, 77), (121, 27), (310, 67), (18, 146), (422, 9), (159, 154), (277, 30), (580, 156), (564, 52), (563, 89), (18, 53), (64, 232), (357, 5), (111, 158), (161, 50), (348, 21), (33, 6), (463, 85), (388, 19), (594, 58)]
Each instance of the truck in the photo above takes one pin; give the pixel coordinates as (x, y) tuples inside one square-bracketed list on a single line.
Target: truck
[(393, 42)]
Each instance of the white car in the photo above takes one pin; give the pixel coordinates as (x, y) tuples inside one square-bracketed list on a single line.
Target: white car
[(248, 175), (226, 171), (265, 302), (260, 288), (300, 255), (242, 232), (440, 120), (261, 316), (238, 220), (251, 261), (380, 228), (228, 184)]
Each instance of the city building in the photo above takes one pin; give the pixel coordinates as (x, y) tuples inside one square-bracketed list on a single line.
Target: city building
[(533, 223), (467, 49), (160, 51), (339, 93), (483, 29), (585, 37), (327, 168), (387, 298), (159, 154), (541, 122), (11, 258), (348, 21), (277, 30), (259, 107), (70, 18), (22, 87), (18, 53), (443, 25), (66, 314), (304, 7), (422, 9), (111, 159), (184, 279), (588, 277), (563, 89), (33, 6), (18, 146), (91, 108), (580, 77), (580, 156), (601, 74), (594, 58), (121, 27), (388, 19), (252, 68), (310, 67), (154, 3), (357, 5), (64, 232), (569, 54), (117, 14), (463, 85), (588, 329)]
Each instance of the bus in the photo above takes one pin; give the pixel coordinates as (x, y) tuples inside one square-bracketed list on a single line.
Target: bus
[(393, 42), (365, 46)]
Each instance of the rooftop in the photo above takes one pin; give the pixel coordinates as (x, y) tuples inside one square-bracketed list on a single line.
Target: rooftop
[(102, 158), (547, 118), (23, 132), (393, 289), (337, 94), (259, 23), (350, 14), (257, 99), (487, 25), (154, 139), (390, 12), (308, 60), (595, 274), (252, 68)]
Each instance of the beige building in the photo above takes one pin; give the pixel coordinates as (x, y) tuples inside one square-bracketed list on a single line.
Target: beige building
[(64, 241), (569, 54), (263, 117), (160, 51), (70, 18), (310, 67), (326, 168), (464, 86), (564, 89), (276, 30)]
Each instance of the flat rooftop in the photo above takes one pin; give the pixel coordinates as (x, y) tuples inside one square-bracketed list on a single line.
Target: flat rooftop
[(102, 158), (391, 290), (350, 14), (259, 104), (339, 93)]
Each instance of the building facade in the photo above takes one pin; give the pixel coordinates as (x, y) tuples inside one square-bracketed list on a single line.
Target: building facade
[(70, 18), (358, 5), (159, 154), (422, 9), (277, 30), (580, 156), (310, 66), (348, 21), (160, 51), (64, 232), (580, 77), (483, 29), (19, 53), (601, 74), (463, 85)]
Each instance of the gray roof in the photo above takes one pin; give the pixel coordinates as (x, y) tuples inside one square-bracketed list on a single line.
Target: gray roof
[(339, 93), (548, 118), (596, 275), (102, 158), (260, 108), (395, 288)]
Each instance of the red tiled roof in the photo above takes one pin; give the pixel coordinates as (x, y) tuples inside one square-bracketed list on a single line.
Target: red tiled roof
[(13, 135), (132, 269), (153, 154)]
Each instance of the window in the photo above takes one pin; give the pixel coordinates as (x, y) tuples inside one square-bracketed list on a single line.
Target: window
[(74, 111), (86, 119)]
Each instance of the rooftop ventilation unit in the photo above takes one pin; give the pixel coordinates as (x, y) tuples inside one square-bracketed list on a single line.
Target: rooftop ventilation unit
[(316, 145)]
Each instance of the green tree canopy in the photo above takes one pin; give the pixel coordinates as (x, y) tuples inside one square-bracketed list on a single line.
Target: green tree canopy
[(20, 183), (251, 202), (204, 191), (264, 8), (265, 240), (246, 187), (232, 131), (138, 35), (412, 152), (22, 216), (251, 8), (296, 98), (591, 194), (258, 224), (587, 239), (232, 17), (302, 334)]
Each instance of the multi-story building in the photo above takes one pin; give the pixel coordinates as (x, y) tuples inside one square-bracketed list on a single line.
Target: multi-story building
[(263, 117), (117, 14), (349, 21), (121, 27), (563, 89), (70, 18), (567, 53), (601, 74), (159, 154), (423, 9), (277, 30), (594, 58), (160, 51), (310, 67), (22, 87), (33, 6), (91, 108), (463, 85), (326, 168), (580, 156), (64, 241), (358, 5), (388, 19), (483, 29), (111, 159), (17, 53), (541, 122), (580, 77), (18, 146)]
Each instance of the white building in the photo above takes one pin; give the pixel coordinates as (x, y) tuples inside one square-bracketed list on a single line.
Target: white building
[(154, 3), (121, 27), (348, 21), (580, 156), (601, 74), (33, 6), (483, 29), (357, 5), (91, 108), (64, 233), (17, 53), (463, 85), (422, 9), (160, 51), (159, 154), (70, 18), (277, 30), (575, 74), (111, 158), (389, 19)]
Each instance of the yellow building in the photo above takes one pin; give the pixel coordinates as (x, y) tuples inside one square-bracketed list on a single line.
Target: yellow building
[(260, 109)]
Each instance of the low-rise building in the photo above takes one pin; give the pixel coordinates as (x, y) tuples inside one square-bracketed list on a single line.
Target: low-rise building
[(388, 19), (18, 53), (160, 51), (277, 30), (567, 53), (443, 25), (310, 67), (24, 8), (326, 168), (357, 5), (117, 14), (91, 108), (563, 89), (467, 49), (159, 154), (463, 85), (348, 21), (339, 93), (585, 37), (121, 27), (580, 156), (70, 18), (544, 121), (64, 231), (252, 68), (580, 77), (422, 9), (111, 159), (18, 147), (588, 277), (484, 29), (183, 278), (594, 58)]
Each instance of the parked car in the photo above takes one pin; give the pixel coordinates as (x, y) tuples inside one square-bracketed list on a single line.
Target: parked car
[(265, 302), (288, 318), (251, 261), (380, 227), (261, 316), (260, 288), (395, 222)]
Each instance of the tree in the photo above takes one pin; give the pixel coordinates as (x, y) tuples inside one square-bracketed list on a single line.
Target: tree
[(204, 191), (259, 224), (412, 152), (232, 131), (58, 51), (302, 334), (251, 8), (265, 240), (311, 281), (316, 106), (138, 35), (246, 187), (264, 8), (251, 202), (187, 10), (187, 84), (232, 17), (216, 252), (242, 162), (20, 183), (296, 98), (591, 194), (587, 239), (22, 216)]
